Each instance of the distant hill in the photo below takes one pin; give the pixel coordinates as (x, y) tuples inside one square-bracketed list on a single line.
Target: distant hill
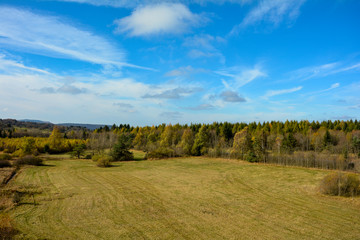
[(83, 125), (26, 123), (33, 121)]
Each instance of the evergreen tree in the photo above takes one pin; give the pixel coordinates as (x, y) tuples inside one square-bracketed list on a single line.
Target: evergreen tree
[(120, 151)]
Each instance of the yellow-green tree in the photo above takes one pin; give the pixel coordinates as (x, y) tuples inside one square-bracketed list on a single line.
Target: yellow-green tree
[(55, 140)]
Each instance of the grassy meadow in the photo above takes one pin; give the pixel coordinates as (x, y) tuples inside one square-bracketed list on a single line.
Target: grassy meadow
[(183, 198)]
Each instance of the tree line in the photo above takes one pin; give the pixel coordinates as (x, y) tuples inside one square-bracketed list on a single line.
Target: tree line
[(326, 144)]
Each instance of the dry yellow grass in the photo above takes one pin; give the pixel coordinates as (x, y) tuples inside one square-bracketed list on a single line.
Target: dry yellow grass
[(185, 198)]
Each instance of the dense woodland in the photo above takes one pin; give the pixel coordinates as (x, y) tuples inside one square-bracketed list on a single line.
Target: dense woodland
[(327, 144)]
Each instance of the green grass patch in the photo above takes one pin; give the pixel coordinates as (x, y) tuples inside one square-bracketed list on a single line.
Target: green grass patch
[(183, 198)]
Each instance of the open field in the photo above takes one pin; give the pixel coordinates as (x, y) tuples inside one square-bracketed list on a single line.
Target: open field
[(185, 198)]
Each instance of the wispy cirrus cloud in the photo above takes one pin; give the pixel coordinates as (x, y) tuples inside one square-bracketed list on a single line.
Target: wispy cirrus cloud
[(54, 37), (12, 66), (162, 18), (333, 86), (323, 70), (240, 77), (203, 45), (271, 12), (272, 93)]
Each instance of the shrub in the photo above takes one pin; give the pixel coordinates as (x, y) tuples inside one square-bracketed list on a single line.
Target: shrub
[(251, 157), (161, 153), (29, 160), (5, 156), (102, 160), (341, 184), (4, 163)]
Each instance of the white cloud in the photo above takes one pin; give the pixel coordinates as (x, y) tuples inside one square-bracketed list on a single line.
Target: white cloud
[(231, 96), (162, 18), (272, 93), (335, 85), (53, 37), (271, 11)]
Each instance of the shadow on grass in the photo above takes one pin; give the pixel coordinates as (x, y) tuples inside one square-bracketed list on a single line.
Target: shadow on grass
[(46, 165)]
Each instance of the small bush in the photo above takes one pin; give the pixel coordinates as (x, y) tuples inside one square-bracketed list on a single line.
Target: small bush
[(161, 153), (341, 184), (5, 156), (88, 156), (102, 160), (16, 197), (29, 160), (4, 163), (9, 150)]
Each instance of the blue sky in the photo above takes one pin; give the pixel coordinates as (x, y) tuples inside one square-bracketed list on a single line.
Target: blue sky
[(152, 62)]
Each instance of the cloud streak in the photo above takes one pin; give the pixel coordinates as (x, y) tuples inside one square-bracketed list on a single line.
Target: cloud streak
[(272, 93), (8, 65)]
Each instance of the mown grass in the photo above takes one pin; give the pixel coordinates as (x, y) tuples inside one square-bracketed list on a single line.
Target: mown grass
[(183, 198)]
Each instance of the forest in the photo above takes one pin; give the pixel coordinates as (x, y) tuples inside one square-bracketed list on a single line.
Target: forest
[(326, 144)]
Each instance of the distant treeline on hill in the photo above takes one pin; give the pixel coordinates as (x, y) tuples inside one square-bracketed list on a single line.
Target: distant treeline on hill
[(34, 128)]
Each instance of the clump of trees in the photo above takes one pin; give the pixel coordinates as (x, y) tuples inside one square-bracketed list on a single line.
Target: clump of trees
[(341, 184), (120, 151)]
